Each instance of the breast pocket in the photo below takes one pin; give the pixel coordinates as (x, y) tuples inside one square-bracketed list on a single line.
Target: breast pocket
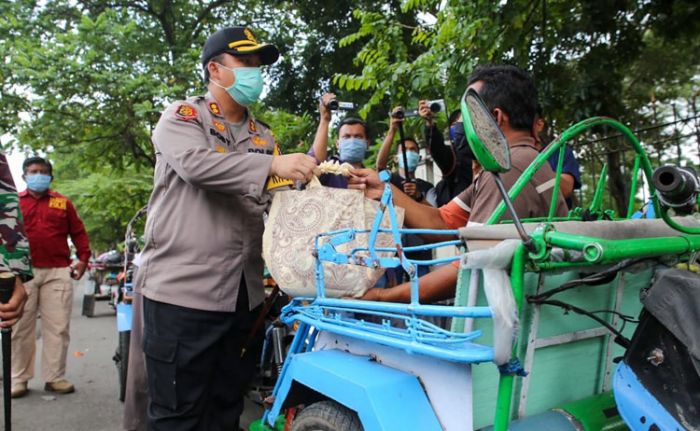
[(57, 218)]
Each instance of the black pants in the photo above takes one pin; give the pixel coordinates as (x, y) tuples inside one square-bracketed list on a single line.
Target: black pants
[(196, 376)]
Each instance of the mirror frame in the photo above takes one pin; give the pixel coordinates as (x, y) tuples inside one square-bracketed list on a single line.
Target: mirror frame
[(481, 152)]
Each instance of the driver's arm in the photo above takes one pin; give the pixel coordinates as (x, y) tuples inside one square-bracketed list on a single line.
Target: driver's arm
[(434, 286)]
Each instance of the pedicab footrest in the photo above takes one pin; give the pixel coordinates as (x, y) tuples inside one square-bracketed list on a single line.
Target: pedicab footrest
[(404, 331)]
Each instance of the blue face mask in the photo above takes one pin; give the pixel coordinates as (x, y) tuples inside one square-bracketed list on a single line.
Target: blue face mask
[(38, 182), (412, 158), (352, 150), (247, 86)]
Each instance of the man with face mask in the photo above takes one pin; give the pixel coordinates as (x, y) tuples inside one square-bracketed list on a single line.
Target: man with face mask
[(49, 219), (351, 143), (201, 267), (510, 95), (416, 188)]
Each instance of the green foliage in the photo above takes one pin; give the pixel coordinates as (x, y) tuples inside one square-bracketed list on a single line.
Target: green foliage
[(106, 203), (86, 80)]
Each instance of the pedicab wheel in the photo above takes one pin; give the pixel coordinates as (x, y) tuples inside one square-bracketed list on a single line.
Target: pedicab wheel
[(121, 359), (326, 416)]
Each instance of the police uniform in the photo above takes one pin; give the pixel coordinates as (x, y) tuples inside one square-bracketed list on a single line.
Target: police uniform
[(201, 268)]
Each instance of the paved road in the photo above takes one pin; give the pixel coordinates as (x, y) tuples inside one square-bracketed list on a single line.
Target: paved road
[(94, 406)]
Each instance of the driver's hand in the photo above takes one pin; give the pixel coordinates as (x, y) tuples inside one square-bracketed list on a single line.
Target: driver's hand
[(368, 181), (372, 294)]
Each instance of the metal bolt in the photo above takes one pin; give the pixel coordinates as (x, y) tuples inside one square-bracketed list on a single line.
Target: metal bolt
[(656, 357)]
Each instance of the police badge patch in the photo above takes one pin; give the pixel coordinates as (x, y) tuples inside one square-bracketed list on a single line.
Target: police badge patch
[(214, 108), (186, 113), (219, 126)]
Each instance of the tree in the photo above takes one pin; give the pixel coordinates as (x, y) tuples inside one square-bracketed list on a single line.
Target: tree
[(587, 57)]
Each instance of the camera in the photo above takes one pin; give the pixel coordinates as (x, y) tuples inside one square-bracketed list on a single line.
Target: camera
[(400, 114), (335, 105), (437, 105)]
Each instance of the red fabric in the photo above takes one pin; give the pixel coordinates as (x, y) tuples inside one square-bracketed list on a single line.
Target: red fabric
[(453, 215), (48, 221)]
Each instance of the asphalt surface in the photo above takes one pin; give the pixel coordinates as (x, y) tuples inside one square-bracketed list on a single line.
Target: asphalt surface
[(94, 406)]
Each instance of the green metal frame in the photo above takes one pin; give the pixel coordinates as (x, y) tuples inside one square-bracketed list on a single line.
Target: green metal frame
[(641, 162), (596, 251)]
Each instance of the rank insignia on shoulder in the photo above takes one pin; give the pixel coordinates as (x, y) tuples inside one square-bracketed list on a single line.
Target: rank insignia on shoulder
[(220, 149), (58, 203), (252, 127), (260, 142), (214, 108), (219, 126), (186, 113)]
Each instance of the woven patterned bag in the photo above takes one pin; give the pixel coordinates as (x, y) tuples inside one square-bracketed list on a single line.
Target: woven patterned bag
[(296, 217)]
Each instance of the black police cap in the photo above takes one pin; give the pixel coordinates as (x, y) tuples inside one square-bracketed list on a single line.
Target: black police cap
[(237, 41)]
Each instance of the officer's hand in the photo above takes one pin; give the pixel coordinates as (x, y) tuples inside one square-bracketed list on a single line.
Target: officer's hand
[(368, 181), (410, 189), (425, 112), (394, 122), (77, 270), (323, 106), (12, 311), (295, 166)]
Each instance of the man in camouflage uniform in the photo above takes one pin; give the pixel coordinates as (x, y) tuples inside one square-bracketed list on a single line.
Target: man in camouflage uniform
[(14, 247), (201, 267)]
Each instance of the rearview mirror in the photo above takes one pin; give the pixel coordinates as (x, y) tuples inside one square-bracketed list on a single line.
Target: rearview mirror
[(490, 147), (485, 138)]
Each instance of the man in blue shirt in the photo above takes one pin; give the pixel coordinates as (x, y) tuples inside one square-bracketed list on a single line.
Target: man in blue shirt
[(570, 171), (351, 144)]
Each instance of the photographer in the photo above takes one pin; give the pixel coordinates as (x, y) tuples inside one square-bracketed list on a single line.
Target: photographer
[(351, 143), (510, 95), (415, 187), (454, 161)]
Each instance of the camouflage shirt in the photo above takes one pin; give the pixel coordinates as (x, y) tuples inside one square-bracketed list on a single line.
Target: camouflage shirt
[(14, 245)]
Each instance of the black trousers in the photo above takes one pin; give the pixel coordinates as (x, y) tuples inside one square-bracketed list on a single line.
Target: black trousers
[(196, 376)]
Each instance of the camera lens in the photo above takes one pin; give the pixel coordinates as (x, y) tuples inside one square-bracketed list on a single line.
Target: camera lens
[(398, 114), (333, 105), (435, 107)]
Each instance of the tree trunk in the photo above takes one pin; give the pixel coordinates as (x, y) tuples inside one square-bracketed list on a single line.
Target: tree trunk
[(617, 184)]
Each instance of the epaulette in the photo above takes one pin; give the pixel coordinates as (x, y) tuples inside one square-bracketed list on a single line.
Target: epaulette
[(264, 124)]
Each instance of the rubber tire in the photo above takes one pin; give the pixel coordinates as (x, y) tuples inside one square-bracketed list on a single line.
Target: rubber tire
[(121, 358), (326, 416)]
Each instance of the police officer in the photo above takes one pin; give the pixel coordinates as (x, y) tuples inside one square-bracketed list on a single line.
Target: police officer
[(201, 269)]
